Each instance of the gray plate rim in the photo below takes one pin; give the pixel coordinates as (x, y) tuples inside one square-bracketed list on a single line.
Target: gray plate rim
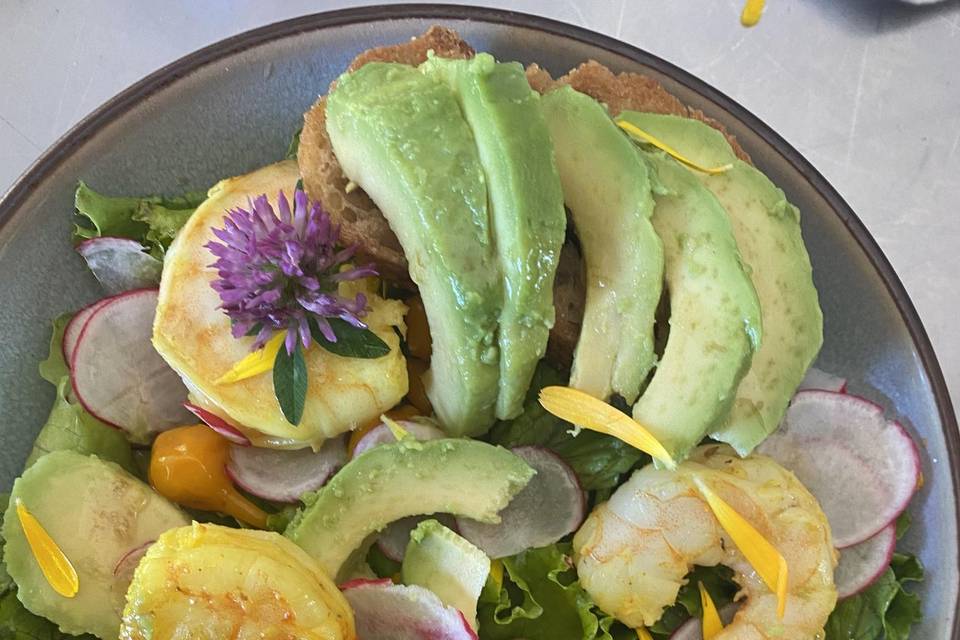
[(115, 107)]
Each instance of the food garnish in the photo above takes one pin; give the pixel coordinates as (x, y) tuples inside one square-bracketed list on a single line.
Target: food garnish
[(279, 275), (769, 563), (711, 619), (188, 466), (643, 634), (588, 412), (752, 10), (54, 564), (640, 135)]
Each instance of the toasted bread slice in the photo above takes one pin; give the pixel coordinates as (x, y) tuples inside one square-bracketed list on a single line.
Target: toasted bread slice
[(361, 223)]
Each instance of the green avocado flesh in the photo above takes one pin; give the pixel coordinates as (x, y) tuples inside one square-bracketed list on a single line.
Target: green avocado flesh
[(401, 137), (767, 230), (526, 207), (448, 565), (607, 187), (96, 512), (408, 478), (714, 314)]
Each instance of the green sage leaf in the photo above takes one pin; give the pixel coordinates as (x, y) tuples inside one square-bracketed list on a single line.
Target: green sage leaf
[(352, 342), (290, 383)]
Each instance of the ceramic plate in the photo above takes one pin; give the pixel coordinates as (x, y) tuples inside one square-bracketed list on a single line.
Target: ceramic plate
[(231, 107)]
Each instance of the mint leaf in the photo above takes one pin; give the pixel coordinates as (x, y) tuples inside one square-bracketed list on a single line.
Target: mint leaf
[(352, 342), (598, 459), (290, 383)]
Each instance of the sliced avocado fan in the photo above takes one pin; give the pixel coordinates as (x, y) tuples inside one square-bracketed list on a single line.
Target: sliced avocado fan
[(607, 187), (767, 230), (400, 135), (715, 324), (526, 207)]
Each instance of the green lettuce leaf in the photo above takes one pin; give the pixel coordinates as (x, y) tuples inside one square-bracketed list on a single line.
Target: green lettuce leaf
[(598, 460), (294, 145), (54, 368), (153, 221), (719, 583), (542, 600)]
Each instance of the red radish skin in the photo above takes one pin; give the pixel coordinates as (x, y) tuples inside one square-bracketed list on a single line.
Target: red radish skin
[(863, 468), (823, 381), (120, 264), (285, 475), (128, 562), (393, 540), (386, 611), (551, 506), (692, 629), (118, 376), (381, 434), (218, 424), (71, 332), (861, 565)]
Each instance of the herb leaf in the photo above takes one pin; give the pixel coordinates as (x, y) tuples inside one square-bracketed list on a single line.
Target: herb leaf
[(290, 383), (352, 342)]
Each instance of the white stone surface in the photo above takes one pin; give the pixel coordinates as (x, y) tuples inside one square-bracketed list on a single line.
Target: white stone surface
[(868, 90)]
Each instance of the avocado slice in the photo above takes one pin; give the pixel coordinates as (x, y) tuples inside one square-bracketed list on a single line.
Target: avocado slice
[(715, 324), (447, 564), (400, 136), (607, 187), (407, 478), (526, 207), (96, 512), (767, 229)]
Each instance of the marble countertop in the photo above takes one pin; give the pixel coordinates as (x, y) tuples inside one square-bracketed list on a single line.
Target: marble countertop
[(868, 90)]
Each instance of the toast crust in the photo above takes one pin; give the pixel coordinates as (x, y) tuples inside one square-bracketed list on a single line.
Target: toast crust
[(362, 223)]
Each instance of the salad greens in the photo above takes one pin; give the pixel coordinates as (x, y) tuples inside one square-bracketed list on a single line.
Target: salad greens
[(152, 220), (598, 460)]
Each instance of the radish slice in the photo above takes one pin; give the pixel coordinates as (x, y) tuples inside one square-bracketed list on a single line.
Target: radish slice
[(548, 508), (692, 629), (817, 379), (386, 611), (117, 374), (218, 424), (381, 434), (128, 562), (861, 565), (71, 333), (120, 264), (862, 467), (285, 475), (393, 540)]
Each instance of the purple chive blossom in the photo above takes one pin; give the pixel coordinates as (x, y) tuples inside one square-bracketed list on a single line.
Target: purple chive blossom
[(279, 273)]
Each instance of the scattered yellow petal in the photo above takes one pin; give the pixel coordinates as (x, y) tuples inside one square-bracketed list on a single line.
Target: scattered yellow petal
[(398, 432), (591, 413), (643, 634), (762, 556), (712, 625), (496, 573), (637, 133), (752, 11), (255, 363), (53, 563)]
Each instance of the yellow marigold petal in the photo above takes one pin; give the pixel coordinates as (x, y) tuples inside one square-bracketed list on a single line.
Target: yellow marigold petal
[(591, 413), (712, 625), (643, 634), (496, 573), (752, 11), (398, 431), (637, 133), (256, 362), (54, 565), (769, 563)]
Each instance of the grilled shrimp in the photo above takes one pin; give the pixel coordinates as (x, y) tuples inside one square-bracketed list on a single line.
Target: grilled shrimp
[(634, 550)]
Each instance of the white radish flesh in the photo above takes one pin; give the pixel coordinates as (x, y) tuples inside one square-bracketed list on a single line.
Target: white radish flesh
[(551, 506), (861, 565), (119, 377), (282, 475), (381, 434), (861, 467), (393, 540), (817, 379), (120, 264), (386, 611), (71, 332)]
